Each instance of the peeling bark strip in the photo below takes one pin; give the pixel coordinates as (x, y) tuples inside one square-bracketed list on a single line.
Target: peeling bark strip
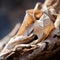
[(39, 34)]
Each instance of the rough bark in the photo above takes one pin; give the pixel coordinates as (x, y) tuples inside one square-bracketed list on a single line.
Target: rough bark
[(39, 35)]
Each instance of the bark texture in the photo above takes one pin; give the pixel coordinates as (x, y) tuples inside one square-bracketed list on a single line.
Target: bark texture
[(39, 35)]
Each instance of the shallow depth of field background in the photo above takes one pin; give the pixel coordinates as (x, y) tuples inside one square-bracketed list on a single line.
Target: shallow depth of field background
[(12, 12)]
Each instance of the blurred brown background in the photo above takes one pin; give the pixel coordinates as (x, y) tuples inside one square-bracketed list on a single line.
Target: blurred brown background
[(11, 13)]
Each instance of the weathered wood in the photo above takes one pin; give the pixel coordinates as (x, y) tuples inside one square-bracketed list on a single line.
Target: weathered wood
[(38, 37)]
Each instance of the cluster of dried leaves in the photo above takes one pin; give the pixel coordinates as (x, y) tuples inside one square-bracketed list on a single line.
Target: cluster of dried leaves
[(38, 36)]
